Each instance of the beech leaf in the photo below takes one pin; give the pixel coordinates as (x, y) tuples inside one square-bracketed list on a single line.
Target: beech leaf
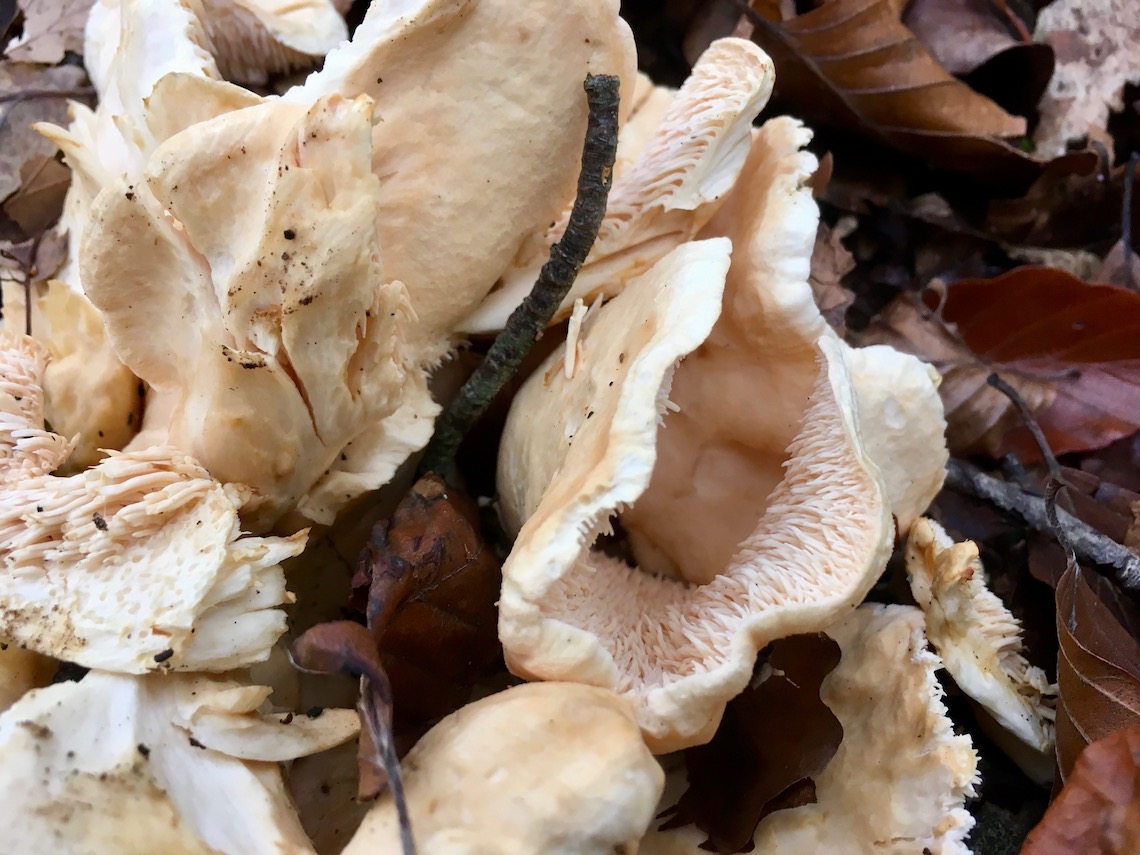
[(1098, 811), (853, 65), (1098, 668), (774, 738), (1076, 363)]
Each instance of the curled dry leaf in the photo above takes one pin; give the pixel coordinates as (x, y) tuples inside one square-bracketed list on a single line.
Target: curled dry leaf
[(1098, 669), (853, 65), (1098, 811), (431, 586), (1076, 364), (775, 737)]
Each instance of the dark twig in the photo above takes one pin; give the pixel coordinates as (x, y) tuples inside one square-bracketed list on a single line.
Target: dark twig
[(380, 730), (528, 321), (1030, 422), (28, 272), (1126, 220), (35, 94), (1085, 541)]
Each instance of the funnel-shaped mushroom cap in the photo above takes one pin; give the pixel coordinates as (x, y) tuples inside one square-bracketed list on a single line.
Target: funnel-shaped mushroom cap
[(272, 342), (552, 768), (134, 565), (139, 765), (480, 120), (898, 782), (978, 638), (670, 189), (756, 492)]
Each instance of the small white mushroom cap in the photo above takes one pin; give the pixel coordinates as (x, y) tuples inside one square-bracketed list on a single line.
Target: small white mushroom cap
[(552, 768), (980, 641), (273, 343), (756, 496), (478, 139), (663, 195), (135, 565), (138, 765), (898, 781)]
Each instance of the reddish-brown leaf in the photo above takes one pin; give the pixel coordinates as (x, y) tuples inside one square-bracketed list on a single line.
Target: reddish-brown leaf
[(1098, 668), (774, 738), (1098, 811), (432, 587), (854, 66), (1071, 349)]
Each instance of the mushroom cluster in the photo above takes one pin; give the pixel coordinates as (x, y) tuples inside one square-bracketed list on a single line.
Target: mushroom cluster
[(240, 346)]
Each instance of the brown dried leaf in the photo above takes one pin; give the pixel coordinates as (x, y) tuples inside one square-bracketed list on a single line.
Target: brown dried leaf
[(431, 601), (1098, 669), (977, 415), (1098, 811), (51, 28), (961, 34), (774, 738), (429, 586), (1095, 42), (28, 95), (1076, 363), (37, 204), (853, 65), (830, 262)]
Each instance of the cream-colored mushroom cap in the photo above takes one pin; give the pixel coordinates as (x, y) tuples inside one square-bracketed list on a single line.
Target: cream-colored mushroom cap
[(755, 496), (556, 768), (980, 641), (898, 782), (271, 339), (662, 196), (480, 117), (134, 565), (139, 765), (129, 47)]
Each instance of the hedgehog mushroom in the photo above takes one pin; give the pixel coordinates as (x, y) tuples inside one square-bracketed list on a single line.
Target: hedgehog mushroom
[(671, 183), (556, 768), (134, 565), (137, 765), (980, 642), (271, 340), (898, 782), (756, 495), (488, 153)]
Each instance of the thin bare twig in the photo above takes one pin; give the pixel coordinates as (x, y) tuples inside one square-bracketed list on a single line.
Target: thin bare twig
[(1086, 542), (1027, 417), (36, 94), (531, 317)]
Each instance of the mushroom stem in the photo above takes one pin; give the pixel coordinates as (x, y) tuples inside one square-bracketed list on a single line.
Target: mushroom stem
[(529, 319)]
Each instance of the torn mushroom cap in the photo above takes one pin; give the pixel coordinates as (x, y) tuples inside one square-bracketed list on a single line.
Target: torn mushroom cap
[(898, 782), (556, 768), (271, 340), (668, 191), (756, 489), (91, 395), (489, 153), (979, 640), (134, 565), (138, 765)]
